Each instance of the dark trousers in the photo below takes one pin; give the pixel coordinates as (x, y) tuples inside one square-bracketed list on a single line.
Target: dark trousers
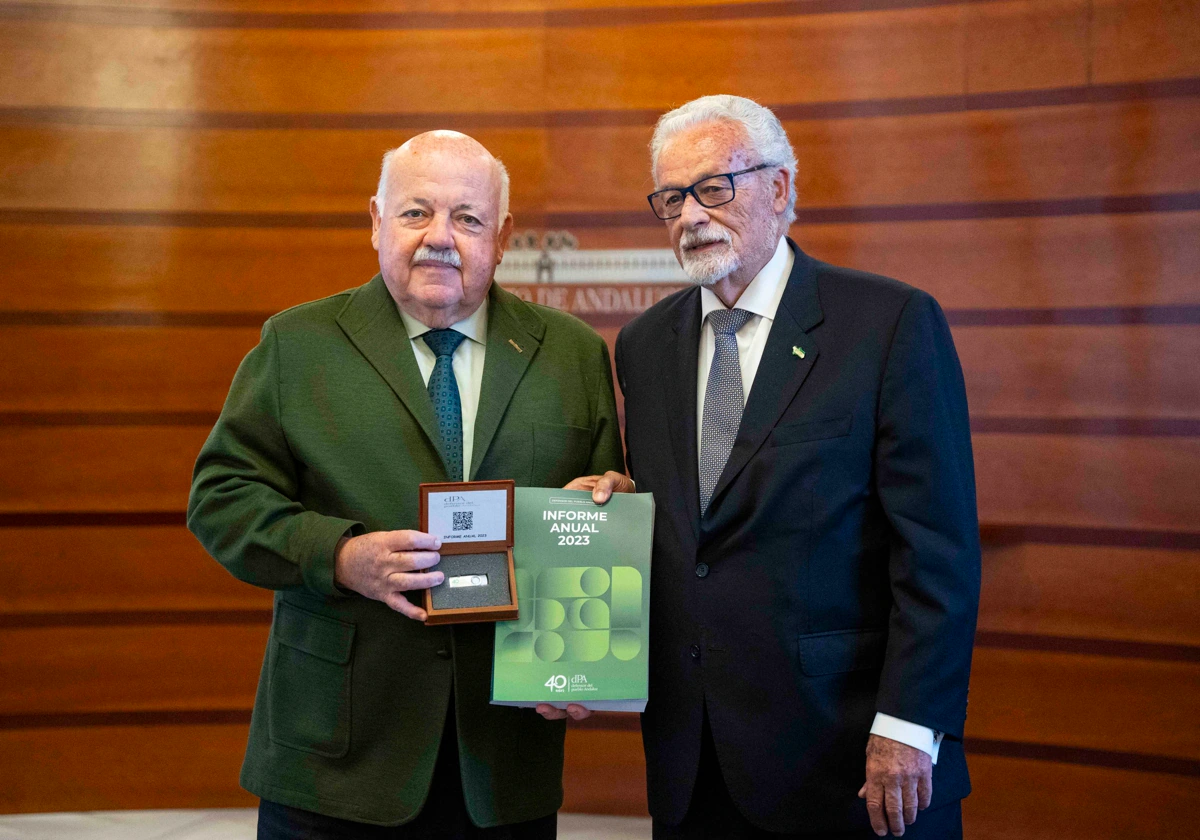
[(712, 814), (444, 815)]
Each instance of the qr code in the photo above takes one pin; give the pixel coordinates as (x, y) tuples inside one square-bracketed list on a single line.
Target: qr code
[(463, 520)]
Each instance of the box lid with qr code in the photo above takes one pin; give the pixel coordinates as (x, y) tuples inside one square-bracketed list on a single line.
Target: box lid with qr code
[(474, 520)]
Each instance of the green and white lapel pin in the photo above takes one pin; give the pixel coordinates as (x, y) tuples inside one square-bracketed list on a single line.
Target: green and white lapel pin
[(798, 352)]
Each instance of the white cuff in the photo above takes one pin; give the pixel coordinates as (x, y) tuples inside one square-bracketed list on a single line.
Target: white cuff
[(919, 737)]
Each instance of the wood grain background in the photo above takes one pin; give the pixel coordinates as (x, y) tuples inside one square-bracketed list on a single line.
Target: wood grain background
[(173, 171)]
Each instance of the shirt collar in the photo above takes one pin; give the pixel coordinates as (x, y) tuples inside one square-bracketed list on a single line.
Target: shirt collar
[(474, 326), (765, 291)]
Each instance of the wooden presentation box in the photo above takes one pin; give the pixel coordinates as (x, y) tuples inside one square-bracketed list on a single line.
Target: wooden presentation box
[(475, 521)]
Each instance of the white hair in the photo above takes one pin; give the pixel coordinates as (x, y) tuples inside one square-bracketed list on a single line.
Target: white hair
[(767, 137), (501, 173)]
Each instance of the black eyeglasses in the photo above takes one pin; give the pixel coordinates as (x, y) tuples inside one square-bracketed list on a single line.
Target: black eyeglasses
[(712, 191)]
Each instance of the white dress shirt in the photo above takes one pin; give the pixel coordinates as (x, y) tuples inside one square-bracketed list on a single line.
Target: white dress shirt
[(762, 298), (467, 364)]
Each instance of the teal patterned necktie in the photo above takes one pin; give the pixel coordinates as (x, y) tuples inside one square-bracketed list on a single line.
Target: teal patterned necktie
[(443, 391)]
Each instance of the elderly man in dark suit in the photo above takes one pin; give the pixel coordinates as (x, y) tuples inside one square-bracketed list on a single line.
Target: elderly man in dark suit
[(368, 724), (815, 577)]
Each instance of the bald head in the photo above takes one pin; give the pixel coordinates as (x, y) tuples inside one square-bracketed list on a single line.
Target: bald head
[(451, 146), (440, 223)]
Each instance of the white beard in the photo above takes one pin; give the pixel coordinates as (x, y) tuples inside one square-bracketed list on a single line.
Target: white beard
[(707, 268)]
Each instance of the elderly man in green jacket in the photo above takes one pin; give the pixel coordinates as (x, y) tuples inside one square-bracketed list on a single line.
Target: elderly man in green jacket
[(368, 723)]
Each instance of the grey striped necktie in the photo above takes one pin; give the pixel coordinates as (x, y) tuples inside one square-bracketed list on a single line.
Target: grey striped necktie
[(723, 399)]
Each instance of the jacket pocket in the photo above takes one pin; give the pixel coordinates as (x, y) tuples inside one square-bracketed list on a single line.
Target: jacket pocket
[(810, 430), (842, 651), (560, 453), (309, 690)]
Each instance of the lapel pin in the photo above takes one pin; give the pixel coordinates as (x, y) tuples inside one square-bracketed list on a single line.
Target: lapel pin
[(517, 346), (797, 352)]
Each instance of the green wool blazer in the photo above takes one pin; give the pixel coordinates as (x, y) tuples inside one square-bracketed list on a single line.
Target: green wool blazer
[(327, 431)]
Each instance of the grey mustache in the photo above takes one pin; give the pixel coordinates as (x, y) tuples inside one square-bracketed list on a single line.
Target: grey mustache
[(691, 238), (449, 256)]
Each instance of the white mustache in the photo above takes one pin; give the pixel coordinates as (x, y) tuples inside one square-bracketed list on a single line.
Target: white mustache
[(448, 256), (693, 238)]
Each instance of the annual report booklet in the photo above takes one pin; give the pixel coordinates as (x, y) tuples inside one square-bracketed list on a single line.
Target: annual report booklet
[(583, 589)]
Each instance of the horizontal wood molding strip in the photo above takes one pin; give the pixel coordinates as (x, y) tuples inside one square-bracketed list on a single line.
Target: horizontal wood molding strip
[(108, 418), (1084, 756), (149, 717), (936, 212), (616, 722), (154, 218), (1082, 316), (614, 16), (119, 618), (1107, 426), (1116, 648), (1175, 315), (93, 519), (1011, 534), (128, 318), (466, 121), (992, 533), (1178, 315)]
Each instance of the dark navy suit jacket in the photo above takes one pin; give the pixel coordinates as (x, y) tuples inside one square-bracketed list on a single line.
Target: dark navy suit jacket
[(841, 546)]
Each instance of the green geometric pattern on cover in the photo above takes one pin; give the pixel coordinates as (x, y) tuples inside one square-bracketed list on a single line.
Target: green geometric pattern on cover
[(576, 614)]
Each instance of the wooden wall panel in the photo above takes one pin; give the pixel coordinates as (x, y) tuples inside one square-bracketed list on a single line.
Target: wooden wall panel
[(1070, 261), (1104, 592), (1072, 700), (1043, 800), (233, 69), (97, 468), (149, 667), (163, 766), (178, 766), (1037, 371), (1026, 44), (112, 568), (605, 772), (179, 269), (1092, 371), (120, 368), (1100, 482), (1017, 695), (120, 767), (180, 169), (1000, 155), (1145, 39), (907, 52), (341, 8), (1138, 259)]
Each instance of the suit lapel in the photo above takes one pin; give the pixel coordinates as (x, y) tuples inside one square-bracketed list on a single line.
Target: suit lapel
[(373, 324), (514, 335), (679, 391), (781, 371)]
